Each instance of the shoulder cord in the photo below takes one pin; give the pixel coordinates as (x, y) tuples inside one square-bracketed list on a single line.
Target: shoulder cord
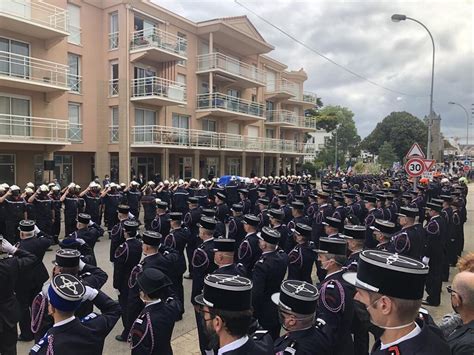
[(149, 328), (406, 246), (341, 293), (50, 350), (36, 321), (135, 272)]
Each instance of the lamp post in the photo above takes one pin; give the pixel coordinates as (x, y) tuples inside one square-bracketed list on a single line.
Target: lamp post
[(335, 150), (398, 18), (467, 119)]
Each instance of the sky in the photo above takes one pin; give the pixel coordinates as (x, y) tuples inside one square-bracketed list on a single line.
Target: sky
[(360, 36)]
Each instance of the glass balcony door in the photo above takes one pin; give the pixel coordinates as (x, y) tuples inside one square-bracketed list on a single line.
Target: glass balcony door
[(14, 116), (14, 65)]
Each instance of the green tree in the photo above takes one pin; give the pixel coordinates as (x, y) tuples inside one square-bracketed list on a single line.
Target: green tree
[(348, 140), (401, 130), (387, 155)]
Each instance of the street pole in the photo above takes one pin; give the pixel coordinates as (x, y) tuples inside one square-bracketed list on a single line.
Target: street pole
[(335, 152), (398, 18), (467, 120)]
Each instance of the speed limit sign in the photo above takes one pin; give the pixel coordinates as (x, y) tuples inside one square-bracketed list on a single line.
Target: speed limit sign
[(415, 167)]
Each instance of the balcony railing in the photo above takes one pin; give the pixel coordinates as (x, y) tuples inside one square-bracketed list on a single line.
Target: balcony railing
[(189, 138), (38, 12), (309, 97), (290, 118), (33, 69), (155, 38), (113, 87), (114, 134), (113, 40), (75, 132), (74, 82), (28, 129), (220, 61), (155, 86), (282, 86), (229, 103)]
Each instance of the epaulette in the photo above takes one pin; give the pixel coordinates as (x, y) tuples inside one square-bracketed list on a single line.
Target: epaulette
[(85, 274), (89, 317), (169, 299), (259, 334)]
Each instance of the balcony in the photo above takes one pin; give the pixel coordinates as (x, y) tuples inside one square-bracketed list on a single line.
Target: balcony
[(281, 90), (289, 120), (27, 73), (158, 91), (33, 18), (154, 45), (307, 100), (169, 137), (230, 70), (34, 130), (221, 105)]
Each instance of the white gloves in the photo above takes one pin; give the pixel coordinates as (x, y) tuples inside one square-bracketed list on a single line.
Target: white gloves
[(117, 292), (7, 247), (90, 294), (425, 260), (81, 264), (91, 223), (36, 230)]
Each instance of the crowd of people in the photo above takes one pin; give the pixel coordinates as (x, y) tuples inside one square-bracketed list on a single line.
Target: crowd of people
[(331, 264)]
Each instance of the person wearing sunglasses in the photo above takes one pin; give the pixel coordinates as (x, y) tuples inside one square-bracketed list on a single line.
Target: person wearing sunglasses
[(461, 341)]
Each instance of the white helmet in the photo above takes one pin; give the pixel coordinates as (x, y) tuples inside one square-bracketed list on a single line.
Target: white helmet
[(29, 190), (151, 183), (444, 180), (44, 188), (30, 185), (55, 188), (78, 187), (135, 183), (166, 182), (180, 182), (14, 188)]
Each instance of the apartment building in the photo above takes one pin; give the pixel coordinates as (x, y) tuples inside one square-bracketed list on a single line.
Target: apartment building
[(124, 87)]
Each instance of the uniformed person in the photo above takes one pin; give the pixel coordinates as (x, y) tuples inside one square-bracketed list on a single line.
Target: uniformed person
[(408, 241), (276, 222), (434, 253), (324, 210), (352, 207), (151, 331), (225, 307), (236, 226), (73, 205), (55, 196), (382, 232), (161, 221), (267, 275), (177, 239), (339, 208), (88, 231), (220, 230), (117, 231), (262, 214), (165, 260), (126, 257), (224, 250), (222, 210), (132, 197), (297, 211), (244, 201), (372, 214), (10, 270), (301, 258), (283, 205), (15, 211), (71, 335), (391, 287), (44, 210), (296, 303), (355, 236), (148, 201), (203, 264), (332, 227), (30, 281), (335, 306), (111, 199), (92, 201), (191, 221), (249, 251)]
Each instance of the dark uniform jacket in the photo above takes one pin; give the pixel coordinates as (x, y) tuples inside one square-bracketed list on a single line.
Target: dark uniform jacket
[(320, 215), (425, 343), (372, 215), (203, 264), (232, 269), (81, 337), (253, 346), (161, 224), (151, 332), (311, 341), (267, 275), (249, 251), (409, 242), (236, 230), (126, 257), (300, 263)]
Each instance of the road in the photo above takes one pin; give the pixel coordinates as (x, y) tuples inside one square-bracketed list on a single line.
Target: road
[(184, 339)]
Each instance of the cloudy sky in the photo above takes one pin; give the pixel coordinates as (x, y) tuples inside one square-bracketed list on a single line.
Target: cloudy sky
[(360, 36)]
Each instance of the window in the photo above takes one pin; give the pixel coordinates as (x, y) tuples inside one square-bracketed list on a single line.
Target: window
[(75, 126), (114, 168), (233, 93), (114, 79), (15, 116), (114, 125), (74, 28), (270, 133), (113, 30), (144, 122), (209, 125), (182, 47), (16, 61), (74, 76), (180, 121), (7, 168), (233, 166), (180, 78)]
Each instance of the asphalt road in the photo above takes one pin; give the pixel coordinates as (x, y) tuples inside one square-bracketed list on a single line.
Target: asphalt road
[(184, 335)]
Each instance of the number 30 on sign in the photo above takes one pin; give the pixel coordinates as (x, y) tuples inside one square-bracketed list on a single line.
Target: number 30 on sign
[(415, 167)]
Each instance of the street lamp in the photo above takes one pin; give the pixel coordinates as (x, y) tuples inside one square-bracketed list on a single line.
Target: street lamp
[(467, 120), (335, 149), (398, 18)]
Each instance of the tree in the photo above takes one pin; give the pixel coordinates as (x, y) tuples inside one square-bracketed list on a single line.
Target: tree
[(387, 155), (348, 140), (401, 130)]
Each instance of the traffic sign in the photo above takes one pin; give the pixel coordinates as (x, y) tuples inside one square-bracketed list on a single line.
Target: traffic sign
[(428, 175), (429, 163), (466, 168), (415, 151), (415, 167)]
